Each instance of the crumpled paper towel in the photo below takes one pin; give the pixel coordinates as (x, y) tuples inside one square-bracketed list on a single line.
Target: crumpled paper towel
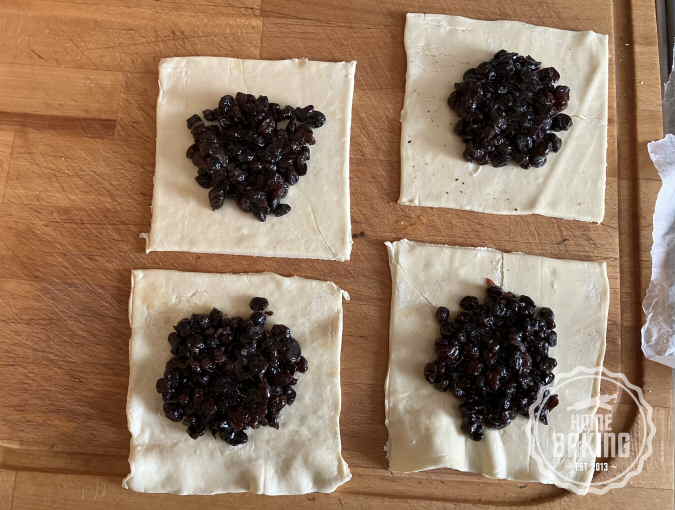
[(658, 332)]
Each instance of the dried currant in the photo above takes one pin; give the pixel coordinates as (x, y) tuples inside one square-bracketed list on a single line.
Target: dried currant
[(230, 374), (250, 151), (493, 356), (508, 108)]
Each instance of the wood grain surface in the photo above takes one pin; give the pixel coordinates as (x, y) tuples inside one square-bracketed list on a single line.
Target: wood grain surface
[(78, 85)]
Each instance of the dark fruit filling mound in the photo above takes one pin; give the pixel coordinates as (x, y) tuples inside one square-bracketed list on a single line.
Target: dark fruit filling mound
[(228, 374), (508, 109), (493, 357), (250, 150)]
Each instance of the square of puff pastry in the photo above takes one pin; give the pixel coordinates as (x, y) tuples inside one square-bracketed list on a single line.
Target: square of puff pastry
[(304, 455), (434, 173), (318, 225), (424, 424)]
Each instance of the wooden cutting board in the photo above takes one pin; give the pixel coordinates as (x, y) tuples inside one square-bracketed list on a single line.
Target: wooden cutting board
[(78, 85)]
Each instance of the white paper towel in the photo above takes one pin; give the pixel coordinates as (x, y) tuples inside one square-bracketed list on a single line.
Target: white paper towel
[(658, 332)]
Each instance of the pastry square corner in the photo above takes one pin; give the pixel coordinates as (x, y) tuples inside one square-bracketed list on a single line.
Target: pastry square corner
[(182, 219), (439, 50), (304, 455), (437, 441)]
